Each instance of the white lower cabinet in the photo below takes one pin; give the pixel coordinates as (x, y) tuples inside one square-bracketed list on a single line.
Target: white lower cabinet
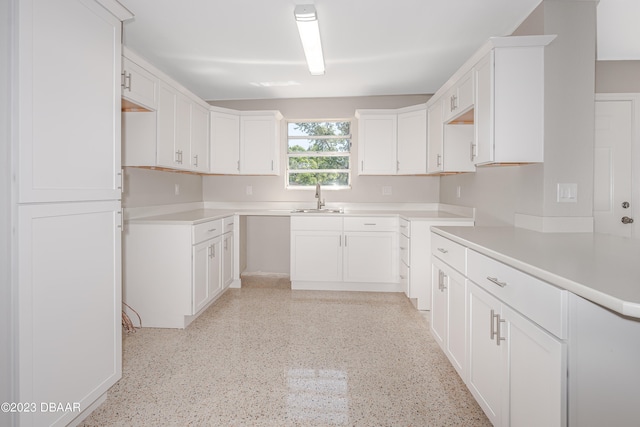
[(449, 314), (173, 271), (504, 332), (517, 371), (351, 253)]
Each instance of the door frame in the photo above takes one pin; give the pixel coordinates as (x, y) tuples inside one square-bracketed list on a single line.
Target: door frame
[(634, 98)]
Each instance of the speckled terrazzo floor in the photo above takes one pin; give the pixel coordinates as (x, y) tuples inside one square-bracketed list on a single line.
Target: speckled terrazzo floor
[(276, 357)]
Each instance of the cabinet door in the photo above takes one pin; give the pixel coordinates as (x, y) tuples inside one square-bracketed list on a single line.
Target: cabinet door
[(536, 374), (207, 268), (484, 148), (438, 304), (371, 257), (456, 332), (199, 157), (69, 333), (412, 143), (200, 280), (69, 102), (225, 143), (377, 142), (435, 138), (139, 86), (316, 255), (166, 123), (227, 260), (259, 143), (215, 268), (182, 141), (486, 370)]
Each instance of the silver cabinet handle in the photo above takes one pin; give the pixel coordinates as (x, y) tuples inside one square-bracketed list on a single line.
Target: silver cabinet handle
[(444, 251), (441, 278), (492, 330), (345, 241), (397, 166), (126, 77), (402, 248), (498, 330), (472, 149), (496, 281)]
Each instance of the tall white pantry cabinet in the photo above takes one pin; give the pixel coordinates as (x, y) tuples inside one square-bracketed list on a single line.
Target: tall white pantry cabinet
[(66, 205)]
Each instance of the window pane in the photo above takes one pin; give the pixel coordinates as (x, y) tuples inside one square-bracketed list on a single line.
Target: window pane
[(319, 128), (310, 179), (320, 145), (318, 163)]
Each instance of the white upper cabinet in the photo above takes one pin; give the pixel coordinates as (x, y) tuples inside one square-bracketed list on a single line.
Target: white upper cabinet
[(260, 143), (509, 82), (459, 99), (139, 87), (225, 143), (392, 142), (377, 133), (245, 142), (492, 109), (69, 134), (412, 142), (199, 157)]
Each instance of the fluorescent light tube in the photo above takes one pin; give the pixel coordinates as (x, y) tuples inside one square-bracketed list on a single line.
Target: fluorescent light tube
[(307, 21)]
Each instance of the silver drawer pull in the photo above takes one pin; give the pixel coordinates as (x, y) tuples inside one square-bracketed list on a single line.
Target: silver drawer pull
[(211, 230), (444, 251), (369, 223), (496, 281), (402, 248)]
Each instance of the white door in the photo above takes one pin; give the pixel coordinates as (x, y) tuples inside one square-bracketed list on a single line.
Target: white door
[(614, 160)]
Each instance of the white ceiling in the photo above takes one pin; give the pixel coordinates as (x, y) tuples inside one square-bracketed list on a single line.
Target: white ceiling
[(250, 49)]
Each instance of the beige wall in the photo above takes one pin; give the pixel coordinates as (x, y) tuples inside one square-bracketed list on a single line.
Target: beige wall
[(146, 187), (618, 77), (365, 189)]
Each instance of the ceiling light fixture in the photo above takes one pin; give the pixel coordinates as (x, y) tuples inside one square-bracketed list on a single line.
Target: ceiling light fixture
[(307, 21)]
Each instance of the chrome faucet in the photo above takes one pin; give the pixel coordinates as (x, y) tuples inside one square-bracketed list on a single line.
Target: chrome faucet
[(319, 196)]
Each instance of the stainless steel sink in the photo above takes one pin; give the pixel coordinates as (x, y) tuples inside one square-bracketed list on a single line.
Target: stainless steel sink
[(323, 210)]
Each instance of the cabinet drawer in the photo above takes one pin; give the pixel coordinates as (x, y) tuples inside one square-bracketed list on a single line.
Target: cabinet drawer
[(207, 230), (316, 223), (377, 223), (449, 251), (404, 249), (405, 227), (541, 302), (228, 224)]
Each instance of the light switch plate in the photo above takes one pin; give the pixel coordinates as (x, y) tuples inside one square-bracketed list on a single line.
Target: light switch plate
[(567, 193)]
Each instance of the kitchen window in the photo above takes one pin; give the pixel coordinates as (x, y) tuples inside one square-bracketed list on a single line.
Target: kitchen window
[(319, 152)]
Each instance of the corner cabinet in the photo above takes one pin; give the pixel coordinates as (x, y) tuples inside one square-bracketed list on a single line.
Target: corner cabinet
[(392, 142), (175, 270), (66, 217), (245, 142)]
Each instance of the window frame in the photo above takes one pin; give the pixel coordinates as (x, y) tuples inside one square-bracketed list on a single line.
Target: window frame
[(290, 155)]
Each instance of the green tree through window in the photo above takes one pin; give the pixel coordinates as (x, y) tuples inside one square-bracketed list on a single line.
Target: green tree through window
[(319, 152)]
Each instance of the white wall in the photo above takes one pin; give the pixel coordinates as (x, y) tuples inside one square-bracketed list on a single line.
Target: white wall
[(365, 189), (618, 77), (6, 344)]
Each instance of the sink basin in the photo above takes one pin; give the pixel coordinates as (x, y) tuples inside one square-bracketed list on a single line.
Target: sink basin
[(324, 210)]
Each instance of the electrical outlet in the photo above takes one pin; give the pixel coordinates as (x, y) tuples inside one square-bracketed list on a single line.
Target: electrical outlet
[(458, 191), (567, 193), (249, 190), (176, 189), (386, 190)]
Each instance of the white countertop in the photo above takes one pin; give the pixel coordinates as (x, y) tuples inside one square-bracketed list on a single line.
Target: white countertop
[(202, 215), (601, 268)]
